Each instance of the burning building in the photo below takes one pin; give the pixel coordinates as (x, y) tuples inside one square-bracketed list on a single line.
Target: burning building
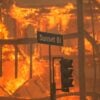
[(20, 21)]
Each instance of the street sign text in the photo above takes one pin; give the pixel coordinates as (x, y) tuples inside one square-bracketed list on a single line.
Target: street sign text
[(49, 38)]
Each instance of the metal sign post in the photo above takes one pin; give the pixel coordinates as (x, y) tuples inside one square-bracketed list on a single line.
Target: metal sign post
[(50, 39), (52, 81)]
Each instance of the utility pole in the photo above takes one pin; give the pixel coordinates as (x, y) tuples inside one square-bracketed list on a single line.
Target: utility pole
[(0, 44), (0, 11), (81, 50)]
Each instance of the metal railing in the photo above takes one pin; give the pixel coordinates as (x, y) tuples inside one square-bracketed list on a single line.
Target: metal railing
[(15, 43)]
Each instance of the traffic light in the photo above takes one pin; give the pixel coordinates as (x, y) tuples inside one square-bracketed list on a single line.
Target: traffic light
[(66, 74)]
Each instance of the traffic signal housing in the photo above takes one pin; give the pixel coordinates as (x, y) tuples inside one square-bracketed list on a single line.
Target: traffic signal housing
[(66, 74)]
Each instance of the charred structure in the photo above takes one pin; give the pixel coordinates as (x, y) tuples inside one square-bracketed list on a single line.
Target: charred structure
[(24, 62)]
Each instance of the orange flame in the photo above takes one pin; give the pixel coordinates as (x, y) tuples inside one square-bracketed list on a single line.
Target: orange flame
[(3, 31), (41, 20), (48, 19)]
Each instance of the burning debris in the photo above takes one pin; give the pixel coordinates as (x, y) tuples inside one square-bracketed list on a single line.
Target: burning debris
[(27, 17), (26, 22)]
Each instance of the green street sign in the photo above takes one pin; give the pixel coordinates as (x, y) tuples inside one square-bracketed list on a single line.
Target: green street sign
[(49, 38)]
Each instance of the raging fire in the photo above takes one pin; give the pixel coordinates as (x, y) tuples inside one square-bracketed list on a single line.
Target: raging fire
[(3, 31), (42, 19)]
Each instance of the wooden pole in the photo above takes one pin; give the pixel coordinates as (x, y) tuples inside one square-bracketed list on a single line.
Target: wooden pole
[(50, 75), (0, 60), (16, 61), (81, 50), (31, 60)]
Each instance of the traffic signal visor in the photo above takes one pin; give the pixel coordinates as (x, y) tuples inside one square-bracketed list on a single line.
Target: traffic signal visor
[(66, 74)]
